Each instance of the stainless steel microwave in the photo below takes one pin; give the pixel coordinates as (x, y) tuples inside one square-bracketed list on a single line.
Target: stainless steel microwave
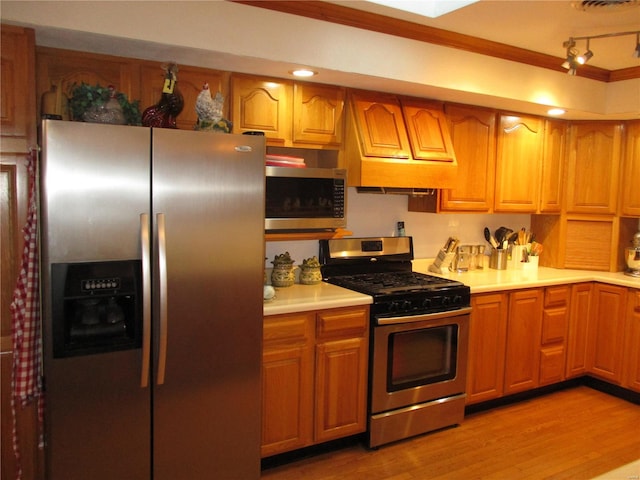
[(305, 199)]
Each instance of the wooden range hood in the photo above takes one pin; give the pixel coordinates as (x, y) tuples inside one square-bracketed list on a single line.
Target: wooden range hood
[(397, 142)]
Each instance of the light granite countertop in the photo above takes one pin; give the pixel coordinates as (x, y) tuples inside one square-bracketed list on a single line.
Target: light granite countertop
[(301, 298)]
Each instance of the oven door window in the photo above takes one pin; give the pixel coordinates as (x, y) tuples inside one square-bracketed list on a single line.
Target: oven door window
[(422, 357)]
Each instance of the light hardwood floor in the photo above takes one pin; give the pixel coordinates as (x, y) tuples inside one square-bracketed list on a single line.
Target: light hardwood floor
[(578, 433)]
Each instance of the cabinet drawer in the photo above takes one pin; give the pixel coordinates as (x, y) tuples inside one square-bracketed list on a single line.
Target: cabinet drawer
[(556, 296), (343, 322), (294, 328), (554, 325)]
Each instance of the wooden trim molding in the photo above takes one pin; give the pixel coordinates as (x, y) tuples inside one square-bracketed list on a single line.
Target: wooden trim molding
[(339, 14)]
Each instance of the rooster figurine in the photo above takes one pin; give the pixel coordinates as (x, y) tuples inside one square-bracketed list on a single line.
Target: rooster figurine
[(209, 110), (164, 113)]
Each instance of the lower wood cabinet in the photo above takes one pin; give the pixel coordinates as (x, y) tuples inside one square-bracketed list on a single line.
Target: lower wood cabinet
[(487, 343), (314, 377), (606, 332), (579, 315), (553, 338), (523, 340), (631, 366)]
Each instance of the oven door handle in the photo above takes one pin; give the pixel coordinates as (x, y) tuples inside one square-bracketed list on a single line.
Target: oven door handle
[(420, 318)]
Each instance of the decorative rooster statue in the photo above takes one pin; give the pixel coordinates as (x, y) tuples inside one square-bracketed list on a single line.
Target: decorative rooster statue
[(164, 113), (209, 111)]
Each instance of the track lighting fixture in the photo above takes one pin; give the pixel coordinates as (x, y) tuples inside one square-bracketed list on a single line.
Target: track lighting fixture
[(574, 60)]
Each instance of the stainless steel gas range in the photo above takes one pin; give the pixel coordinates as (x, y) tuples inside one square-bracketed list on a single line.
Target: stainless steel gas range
[(419, 335)]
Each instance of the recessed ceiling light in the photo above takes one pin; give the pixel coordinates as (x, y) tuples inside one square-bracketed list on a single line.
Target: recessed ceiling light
[(303, 72), (556, 111), (426, 8)]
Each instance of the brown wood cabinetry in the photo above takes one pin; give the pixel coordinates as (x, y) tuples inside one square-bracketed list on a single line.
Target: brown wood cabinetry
[(261, 104), (524, 323), (631, 368), (487, 343), (473, 134), (555, 324), (341, 373), (593, 167), (577, 352), (518, 163), (606, 332), (17, 139), (378, 150), (630, 201), (191, 80), (553, 161), (289, 113), (287, 382), (428, 130), (318, 114), (314, 377)]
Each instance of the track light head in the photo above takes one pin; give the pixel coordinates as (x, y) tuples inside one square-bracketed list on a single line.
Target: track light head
[(585, 57)]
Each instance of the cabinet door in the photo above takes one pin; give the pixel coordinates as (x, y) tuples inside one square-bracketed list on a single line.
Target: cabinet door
[(593, 167), (551, 186), (318, 114), (522, 358), (487, 340), (341, 373), (518, 163), (190, 83), (578, 325), (632, 347), (287, 383), (631, 171), (473, 132), (555, 323), (260, 104), (606, 332), (381, 126), (428, 130), (18, 88)]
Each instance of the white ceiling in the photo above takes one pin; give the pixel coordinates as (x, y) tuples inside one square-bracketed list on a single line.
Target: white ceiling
[(538, 25)]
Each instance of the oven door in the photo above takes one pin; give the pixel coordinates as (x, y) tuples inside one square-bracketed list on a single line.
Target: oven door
[(419, 358)]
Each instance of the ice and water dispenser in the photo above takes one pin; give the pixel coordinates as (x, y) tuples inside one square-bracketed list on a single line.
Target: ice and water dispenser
[(96, 307)]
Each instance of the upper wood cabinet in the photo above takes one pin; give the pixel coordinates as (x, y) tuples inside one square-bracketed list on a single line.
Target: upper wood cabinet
[(18, 105), (473, 135), (381, 125), (553, 161), (190, 82), (289, 113), (260, 104), (518, 163), (318, 114), (630, 201), (428, 131), (378, 152), (593, 167)]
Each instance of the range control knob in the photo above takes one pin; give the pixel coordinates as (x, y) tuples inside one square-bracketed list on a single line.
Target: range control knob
[(446, 301), (406, 305), (426, 303)]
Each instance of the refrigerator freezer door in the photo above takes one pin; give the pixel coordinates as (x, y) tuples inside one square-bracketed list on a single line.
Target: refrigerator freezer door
[(95, 185), (208, 190)]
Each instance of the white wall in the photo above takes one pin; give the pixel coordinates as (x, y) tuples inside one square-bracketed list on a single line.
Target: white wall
[(377, 215)]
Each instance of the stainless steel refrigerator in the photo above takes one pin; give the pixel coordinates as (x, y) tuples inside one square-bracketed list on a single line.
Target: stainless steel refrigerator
[(152, 270)]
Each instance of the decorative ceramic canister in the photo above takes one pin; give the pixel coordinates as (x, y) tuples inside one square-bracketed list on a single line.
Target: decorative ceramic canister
[(283, 271), (310, 271)]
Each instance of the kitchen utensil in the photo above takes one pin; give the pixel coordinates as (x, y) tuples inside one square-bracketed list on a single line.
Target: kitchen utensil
[(488, 236)]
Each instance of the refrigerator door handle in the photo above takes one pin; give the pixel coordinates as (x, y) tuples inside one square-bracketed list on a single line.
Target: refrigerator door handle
[(162, 273), (146, 299)]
